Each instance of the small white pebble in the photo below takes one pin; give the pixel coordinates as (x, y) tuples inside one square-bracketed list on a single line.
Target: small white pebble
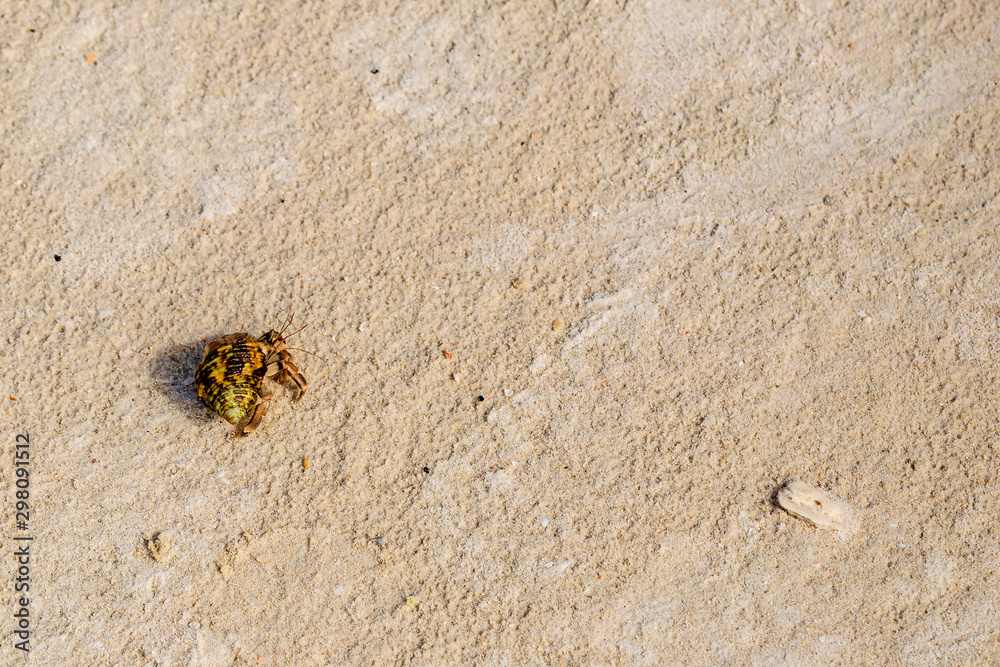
[(496, 478), (813, 505), (379, 541), (553, 568), (544, 522)]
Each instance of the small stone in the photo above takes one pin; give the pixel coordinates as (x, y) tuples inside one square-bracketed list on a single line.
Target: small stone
[(161, 546), (496, 478), (814, 505), (557, 324)]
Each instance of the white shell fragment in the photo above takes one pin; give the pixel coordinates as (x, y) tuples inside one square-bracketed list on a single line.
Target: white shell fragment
[(814, 505)]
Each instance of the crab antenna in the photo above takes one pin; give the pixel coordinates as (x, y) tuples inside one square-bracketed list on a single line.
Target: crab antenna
[(307, 352), (295, 332), (287, 324)]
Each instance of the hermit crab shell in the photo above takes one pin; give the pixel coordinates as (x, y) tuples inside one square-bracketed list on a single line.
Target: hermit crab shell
[(230, 378)]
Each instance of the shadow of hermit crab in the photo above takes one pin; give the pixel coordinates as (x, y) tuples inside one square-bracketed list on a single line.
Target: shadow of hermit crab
[(230, 378)]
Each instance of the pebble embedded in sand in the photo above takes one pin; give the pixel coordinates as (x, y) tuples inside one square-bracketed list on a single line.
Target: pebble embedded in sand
[(161, 546), (813, 505)]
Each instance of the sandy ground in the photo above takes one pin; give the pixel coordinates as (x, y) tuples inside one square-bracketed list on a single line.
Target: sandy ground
[(587, 282)]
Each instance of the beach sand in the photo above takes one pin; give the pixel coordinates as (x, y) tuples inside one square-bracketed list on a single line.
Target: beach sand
[(586, 284)]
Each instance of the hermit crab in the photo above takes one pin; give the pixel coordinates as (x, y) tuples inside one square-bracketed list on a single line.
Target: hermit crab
[(230, 378)]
